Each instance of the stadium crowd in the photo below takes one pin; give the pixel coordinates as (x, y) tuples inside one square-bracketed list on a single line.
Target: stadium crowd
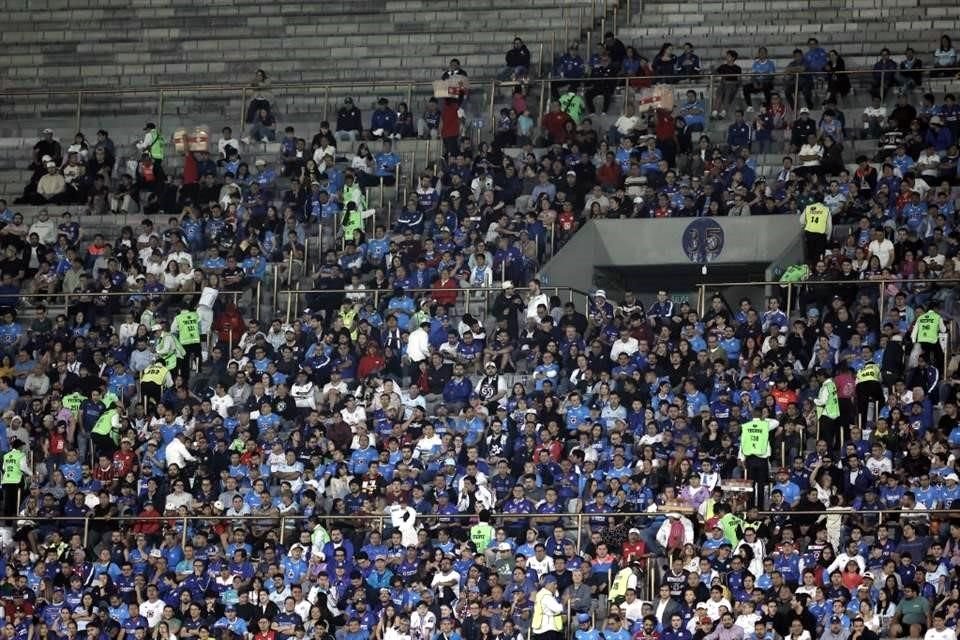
[(388, 465)]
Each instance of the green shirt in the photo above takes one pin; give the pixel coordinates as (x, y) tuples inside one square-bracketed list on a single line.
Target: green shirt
[(928, 327), (573, 105), (832, 408), (481, 535), (914, 610), (12, 472), (188, 327), (755, 438), (72, 401)]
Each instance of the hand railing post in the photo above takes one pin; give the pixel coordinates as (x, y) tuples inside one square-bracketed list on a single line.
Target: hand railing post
[(796, 93), (566, 31), (79, 109), (710, 89), (259, 293), (789, 298), (493, 97), (326, 102), (243, 108), (159, 110), (186, 523)]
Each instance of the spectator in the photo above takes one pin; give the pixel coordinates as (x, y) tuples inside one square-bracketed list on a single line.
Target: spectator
[(910, 71), (518, 63), (263, 127), (569, 69), (262, 96), (688, 62), (838, 81), (51, 188), (729, 85), (944, 59), (349, 126), (760, 80), (884, 75)]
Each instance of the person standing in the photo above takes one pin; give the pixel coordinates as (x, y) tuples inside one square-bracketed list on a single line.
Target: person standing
[(15, 469), (929, 336), (817, 226), (153, 380), (869, 389), (755, 451), (547, 623), (186, 326), (105, 434), (828, 409), (169, 349), (451, 117)]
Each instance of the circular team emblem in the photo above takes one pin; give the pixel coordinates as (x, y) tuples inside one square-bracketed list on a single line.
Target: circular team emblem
[(703, 240)]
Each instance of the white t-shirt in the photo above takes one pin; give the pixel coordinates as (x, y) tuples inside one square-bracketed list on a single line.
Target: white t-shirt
[(221, 404), (626, 124), (946, 634), (811, 150), (152, 611), (883, 250), (536, 301)]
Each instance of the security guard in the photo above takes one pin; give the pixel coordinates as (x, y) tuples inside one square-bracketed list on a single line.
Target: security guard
[(153, 380), (755, 451), (828, 410), (186, 326), (482, 534), (547, 623), (869, 389), (817, 224), (106, 432), (168, 348), (15, 469), (929, 337)]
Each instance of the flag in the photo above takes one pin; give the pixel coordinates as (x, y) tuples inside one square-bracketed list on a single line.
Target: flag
[(452, 87), (656, 97)]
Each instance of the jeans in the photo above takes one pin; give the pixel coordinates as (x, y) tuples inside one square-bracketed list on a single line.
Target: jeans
[(261, 132)]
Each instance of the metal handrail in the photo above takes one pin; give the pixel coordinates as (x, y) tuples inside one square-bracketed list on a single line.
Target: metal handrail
[(789, 286), (380, 519), (162, 92)]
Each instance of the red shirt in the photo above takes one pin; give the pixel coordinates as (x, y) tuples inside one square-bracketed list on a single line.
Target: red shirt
[(108, 474), (633, 550), (123, 461), (665, 127), (370, 364), (450, 120), (445, 292), (608, 175), (555, 123)]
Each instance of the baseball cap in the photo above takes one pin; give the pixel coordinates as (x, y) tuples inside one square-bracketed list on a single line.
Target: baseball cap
[(583, 617), (835, 620)]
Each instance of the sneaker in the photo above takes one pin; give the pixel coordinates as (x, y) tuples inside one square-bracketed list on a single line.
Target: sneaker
[(750, 109), (723, 115), (714, 114)]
